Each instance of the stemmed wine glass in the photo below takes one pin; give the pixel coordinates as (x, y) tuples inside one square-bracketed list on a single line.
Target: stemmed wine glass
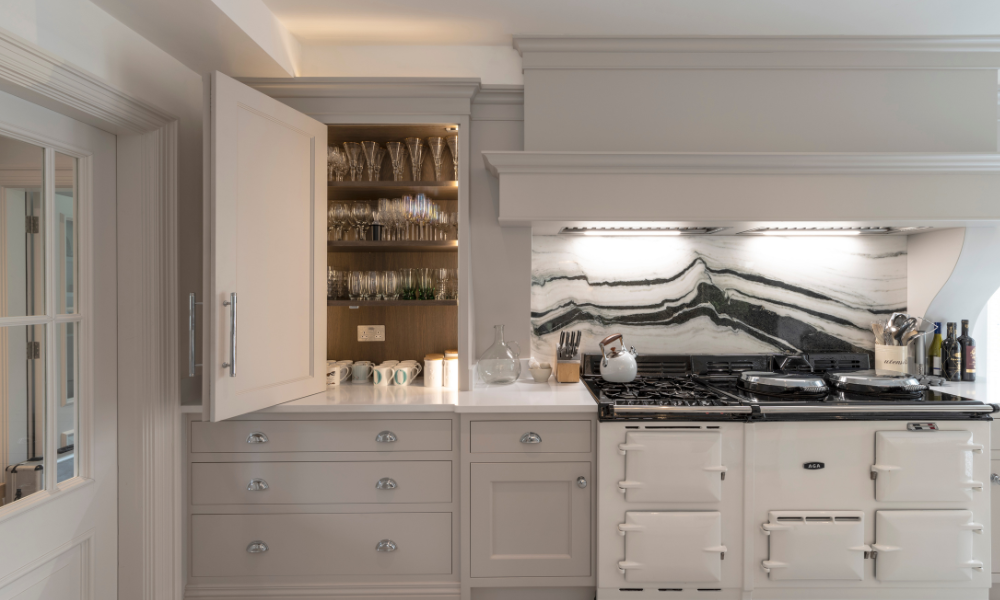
[(336, 163), (416, 149), (338, 216), (374, 154), (453, 146), (354, 158), (362, 217), (436, 145), (395, 150), (383, 216)]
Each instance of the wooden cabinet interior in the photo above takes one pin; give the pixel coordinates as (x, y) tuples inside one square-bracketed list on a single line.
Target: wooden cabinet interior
[(413, 328)]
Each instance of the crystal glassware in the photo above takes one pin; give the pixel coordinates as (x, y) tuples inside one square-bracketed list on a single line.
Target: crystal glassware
[(339, 219), (337, 163), (416, 148), (453, 284), (335, 281), (362, 217), (436, 145), (329, 162), (425, 281), (399, 218), (369, 149), (379, 157), (453, 146), (395, 150), (354, 285), (354, 159), (441, 287), (501, 363), (389, 285), (369, 290), (383, 217), (408, 289)]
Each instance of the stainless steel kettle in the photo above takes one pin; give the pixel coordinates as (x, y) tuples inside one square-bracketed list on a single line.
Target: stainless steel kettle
[(617, 365)]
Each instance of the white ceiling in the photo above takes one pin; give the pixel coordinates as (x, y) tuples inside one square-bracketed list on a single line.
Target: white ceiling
[(494, 22)]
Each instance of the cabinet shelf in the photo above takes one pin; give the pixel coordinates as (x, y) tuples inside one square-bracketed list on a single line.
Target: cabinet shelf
[(393, 246), (362, 190), (417, 303)]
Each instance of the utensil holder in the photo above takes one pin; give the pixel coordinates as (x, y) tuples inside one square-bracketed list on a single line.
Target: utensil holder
[(566, 370), (892, 360)]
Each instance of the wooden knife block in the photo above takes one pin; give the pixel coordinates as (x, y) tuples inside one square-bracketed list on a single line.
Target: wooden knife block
[(566, 371)]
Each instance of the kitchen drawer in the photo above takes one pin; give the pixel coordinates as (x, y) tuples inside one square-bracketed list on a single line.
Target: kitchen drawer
[(321, 482), (304, 545), (321, 436), (515, 436)]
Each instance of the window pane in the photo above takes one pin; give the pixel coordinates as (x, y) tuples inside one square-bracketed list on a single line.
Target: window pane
[(66, 406), (22, 399), (22, 225), (66, 234)]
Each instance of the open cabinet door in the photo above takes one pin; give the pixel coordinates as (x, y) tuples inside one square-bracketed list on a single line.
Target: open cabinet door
[(266, 303)]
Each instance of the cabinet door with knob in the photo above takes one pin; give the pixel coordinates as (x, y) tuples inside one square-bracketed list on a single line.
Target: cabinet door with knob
[(530, 519), (995, 512)]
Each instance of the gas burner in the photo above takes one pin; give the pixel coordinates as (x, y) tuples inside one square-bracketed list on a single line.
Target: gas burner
[(666, 391)]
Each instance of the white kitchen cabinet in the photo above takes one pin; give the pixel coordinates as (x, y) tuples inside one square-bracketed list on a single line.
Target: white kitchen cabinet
[(815, 545), (530, 519), (925, 466), (653, 473), (925, 545), (267, 254), (995, 514), (368, 435), (672, 547)]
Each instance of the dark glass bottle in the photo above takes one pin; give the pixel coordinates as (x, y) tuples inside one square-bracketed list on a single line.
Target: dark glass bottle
[(951, 353), (967, 348)]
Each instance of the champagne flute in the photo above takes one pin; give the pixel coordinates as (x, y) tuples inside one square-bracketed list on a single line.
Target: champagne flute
[(354, 154), (453, 146), (416, 149), (379, 156), (395, 150), (436, 145)]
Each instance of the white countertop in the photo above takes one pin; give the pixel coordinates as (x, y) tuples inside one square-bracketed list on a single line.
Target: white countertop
[(975, 390), (520, 397)]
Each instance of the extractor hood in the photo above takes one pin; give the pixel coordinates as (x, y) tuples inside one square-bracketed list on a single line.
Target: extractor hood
[(740, 192)]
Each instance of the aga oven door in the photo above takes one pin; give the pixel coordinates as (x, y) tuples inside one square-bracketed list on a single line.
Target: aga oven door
[(672, 547), (925, 466), (815, 545), (925, 545), (673, 466)]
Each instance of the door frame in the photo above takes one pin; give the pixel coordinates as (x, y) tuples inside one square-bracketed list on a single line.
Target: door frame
[(149, 496)]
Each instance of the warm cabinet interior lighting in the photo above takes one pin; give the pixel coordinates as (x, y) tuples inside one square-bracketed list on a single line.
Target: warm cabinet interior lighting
[(637, 232)]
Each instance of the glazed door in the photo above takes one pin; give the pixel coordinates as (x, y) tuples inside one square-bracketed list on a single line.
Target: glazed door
[(266, 230)]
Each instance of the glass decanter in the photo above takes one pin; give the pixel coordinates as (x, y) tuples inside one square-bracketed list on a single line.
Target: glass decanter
[(500, 364)]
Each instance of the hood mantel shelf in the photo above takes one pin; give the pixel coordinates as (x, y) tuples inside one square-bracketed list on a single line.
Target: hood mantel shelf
[(548, 190)]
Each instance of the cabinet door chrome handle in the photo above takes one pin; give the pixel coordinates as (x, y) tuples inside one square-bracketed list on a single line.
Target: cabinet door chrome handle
[(386, 483), (192, 327), (385, 546), (257, 438), (385, 437), (531, 438), (994, 478), (581, 482), (256, 485), (257, 547), (232, 335)]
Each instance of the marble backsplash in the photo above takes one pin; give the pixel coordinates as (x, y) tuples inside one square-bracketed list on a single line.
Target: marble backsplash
[(713, 295)]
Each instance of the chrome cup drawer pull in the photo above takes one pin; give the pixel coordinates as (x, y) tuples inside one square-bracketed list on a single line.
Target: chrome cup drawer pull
[(385, 546), (385, 437), (256, 438), (256, 485), (257, 547), (386, 483), (531, 438)]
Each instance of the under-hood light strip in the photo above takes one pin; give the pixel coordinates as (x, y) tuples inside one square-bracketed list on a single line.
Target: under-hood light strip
[(639, 231), (817, 231)]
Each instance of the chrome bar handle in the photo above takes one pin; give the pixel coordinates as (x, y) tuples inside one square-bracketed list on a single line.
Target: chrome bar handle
[(232, 334), (192, 325)]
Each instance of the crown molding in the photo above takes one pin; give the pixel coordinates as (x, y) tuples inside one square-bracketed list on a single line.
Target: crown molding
[(365, 87), (499, 94), (770, 52), (43, 77), (631, 163)]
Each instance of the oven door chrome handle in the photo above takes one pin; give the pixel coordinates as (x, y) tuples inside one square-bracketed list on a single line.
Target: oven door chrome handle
[(884, 548), (973, 485), (977, 448), (972, 564), (624, 485), (624, 527), (876, 469), (623, 448), (623, 565), (767, 565), (720, 549), (976, 527), (718, 469)]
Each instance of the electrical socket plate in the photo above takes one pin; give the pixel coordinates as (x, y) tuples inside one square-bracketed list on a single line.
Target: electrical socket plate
[(371, 333)]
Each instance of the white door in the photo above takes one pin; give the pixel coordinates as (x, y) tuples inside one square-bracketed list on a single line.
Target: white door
[(925, 466), (58, 356), (672, 547), (925, 545), (266, 299), (653, 472)]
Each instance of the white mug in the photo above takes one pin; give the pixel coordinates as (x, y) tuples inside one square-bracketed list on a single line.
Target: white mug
[(411, 363), (405, 374), (361, 372), (337, 373), (391, 363), (383, 375)]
